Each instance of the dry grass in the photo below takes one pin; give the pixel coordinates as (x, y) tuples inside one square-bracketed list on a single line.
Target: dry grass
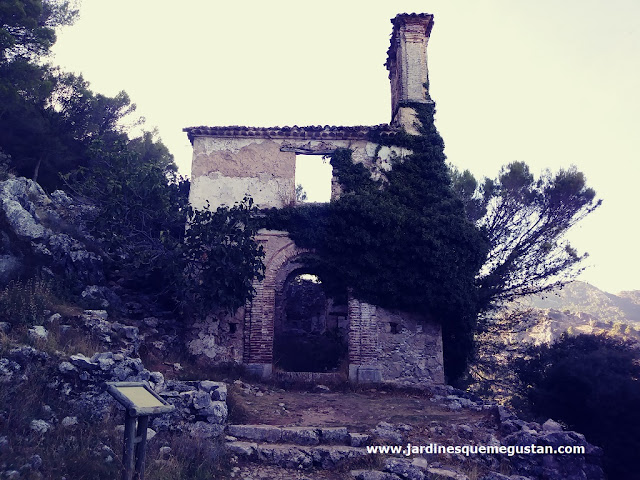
[(189, 458), (92, 449), (74, 452), (24, 302)]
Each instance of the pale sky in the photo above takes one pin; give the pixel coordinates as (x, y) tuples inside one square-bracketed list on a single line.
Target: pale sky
[(551, 83)]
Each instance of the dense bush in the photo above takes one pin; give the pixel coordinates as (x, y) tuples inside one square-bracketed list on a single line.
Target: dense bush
[(592, 384), (142, 211), (220, 258)]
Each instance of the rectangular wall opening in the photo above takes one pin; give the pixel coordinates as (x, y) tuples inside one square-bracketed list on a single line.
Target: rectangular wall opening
[(313, 178)]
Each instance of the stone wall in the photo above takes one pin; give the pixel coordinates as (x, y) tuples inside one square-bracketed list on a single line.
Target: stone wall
[(409, 348), (383, 345), (218, 337), (393, 346)]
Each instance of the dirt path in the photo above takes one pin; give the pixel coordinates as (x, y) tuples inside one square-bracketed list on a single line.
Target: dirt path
[(359, 411)]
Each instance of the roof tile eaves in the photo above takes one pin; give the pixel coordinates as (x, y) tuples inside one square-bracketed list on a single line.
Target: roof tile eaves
[(314, 131)]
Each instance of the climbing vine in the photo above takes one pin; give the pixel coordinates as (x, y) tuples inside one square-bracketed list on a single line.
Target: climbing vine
[(404, 243)]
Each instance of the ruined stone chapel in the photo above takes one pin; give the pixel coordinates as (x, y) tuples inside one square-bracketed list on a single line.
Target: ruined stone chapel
[(289, 312)]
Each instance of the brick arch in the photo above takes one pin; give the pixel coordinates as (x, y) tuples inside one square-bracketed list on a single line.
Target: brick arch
[(260, 312)]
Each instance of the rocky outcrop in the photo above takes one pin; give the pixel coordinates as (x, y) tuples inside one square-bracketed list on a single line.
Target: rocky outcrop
[(46, 230)]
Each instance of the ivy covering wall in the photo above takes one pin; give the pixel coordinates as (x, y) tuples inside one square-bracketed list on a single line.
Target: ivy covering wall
[(402, 242)]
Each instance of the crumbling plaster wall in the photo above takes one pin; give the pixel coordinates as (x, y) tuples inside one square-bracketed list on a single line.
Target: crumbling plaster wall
[(224, 170)]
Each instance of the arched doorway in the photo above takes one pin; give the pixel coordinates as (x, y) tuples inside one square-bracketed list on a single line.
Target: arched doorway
[(310, 329), (319, 324)]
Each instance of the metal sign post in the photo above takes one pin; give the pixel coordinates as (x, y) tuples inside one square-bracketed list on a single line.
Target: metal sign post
[(139, 401)]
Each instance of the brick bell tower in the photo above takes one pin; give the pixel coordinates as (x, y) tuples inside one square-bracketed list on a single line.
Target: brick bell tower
[(407, 65)]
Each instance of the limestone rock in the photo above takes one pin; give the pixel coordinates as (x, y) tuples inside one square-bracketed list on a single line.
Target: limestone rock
[(331, 456), (284, 456), (83, 362), (358, 439), (335, 435), (205, 430), (97, 297), (21, 221), (404, 469), (551, 426), (66, 367), (300, 435), (443, 474), (373, 475), (260, 433), (216, 412), (218, 389), (387, 432), (38, 332), (8, 370), (165, 452), (201, 400), (243, 449), (40, 426), (69, 421)]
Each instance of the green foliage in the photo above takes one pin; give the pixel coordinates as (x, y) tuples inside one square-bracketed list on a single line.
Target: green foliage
[(301, 195), (49, 119), (27, 27), (592, 384), (498, 345), (221, 257), (90, 116), (525, 221), (402, 243), (192, 458), (23, 302), (142, 210), (5, 169), (141, 202)]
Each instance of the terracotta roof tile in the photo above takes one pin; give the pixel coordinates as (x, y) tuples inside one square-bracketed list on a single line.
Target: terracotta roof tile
[(310, 132)]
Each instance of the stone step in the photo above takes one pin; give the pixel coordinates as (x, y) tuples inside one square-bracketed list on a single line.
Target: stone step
[(331, 378), (305, 436), (404, 469), (296, 456)]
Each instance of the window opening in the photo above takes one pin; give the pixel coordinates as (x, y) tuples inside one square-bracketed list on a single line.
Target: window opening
[(313, 178)]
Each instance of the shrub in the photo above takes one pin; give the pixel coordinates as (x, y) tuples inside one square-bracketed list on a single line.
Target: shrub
[(24, 302), (592, 384), (142, 211), (220, 258)]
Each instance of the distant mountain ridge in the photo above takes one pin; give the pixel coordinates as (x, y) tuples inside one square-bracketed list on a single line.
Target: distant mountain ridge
[(580, 297), (578, 308)]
